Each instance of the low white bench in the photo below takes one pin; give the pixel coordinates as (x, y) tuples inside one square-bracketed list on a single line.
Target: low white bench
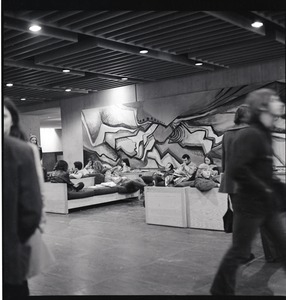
[(56, 198), (185, 207)]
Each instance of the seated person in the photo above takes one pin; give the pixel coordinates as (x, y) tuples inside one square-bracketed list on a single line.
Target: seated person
[(208, 165), (115, 175), (60, 175), (122, 167), (207, 175), (186, 171), (78, 171), (165, 177)]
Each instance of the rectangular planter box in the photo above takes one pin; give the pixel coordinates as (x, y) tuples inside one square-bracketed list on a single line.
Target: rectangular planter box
[(205, 210), (166, 206)]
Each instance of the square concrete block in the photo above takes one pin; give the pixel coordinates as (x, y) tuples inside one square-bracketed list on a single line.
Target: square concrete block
[(206, 209), (166, 206)]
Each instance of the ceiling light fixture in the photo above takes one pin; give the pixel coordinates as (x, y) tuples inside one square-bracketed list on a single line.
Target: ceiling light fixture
[(143, 51), (257, 24), (68, 90), (23, 99), (35, 28), (9, 84), (66, 71), (124, 78), (198, 64)]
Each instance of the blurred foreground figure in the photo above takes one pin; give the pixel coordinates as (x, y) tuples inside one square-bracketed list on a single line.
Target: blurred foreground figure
[(259, 198), (22, 209)]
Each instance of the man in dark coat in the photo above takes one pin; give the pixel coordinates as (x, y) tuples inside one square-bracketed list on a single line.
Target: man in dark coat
[(22, 207), (255, 203)]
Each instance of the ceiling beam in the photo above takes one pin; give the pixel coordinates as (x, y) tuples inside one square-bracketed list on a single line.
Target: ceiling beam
[(245, 23), (151, 53), (48, 31), (47, 89), (262, 15), (30, 65), (89, 43), (231, 47)]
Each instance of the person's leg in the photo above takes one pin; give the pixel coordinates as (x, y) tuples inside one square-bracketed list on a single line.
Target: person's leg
[(275, 224), (245, 228), (270, 253)]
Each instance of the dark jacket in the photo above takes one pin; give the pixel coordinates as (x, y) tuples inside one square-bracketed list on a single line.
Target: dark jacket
[(251, 166), (59, 176), (227, 183), (22, 207)]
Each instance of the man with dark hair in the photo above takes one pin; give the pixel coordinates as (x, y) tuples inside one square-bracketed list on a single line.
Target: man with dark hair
[(22, 209), (255, 199), (186, 171)]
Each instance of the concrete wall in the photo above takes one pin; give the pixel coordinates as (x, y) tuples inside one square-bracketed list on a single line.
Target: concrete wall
[(176, 89), (71, 117), (51, 140), (30, 124)]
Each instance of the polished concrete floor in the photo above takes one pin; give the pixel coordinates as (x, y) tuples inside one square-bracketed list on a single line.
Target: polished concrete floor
[(110, 250)]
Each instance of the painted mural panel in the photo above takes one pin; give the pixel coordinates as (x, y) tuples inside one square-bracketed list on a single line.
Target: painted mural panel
[(153, 133)]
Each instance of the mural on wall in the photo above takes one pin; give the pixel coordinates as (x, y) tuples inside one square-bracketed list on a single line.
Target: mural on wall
[(152, 133)]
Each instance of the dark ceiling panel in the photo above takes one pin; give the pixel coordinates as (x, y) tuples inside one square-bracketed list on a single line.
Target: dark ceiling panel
[(102, 47)]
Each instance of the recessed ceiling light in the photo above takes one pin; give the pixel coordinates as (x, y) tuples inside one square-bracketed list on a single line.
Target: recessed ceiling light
[(198, 64), (68, 90), (143, 51), (66, 71), (23, 99), (9, 84), (124, 78), (257, 24), (35, 28)]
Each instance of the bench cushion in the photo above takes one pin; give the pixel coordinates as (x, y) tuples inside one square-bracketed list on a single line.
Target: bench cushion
[(88, 192)]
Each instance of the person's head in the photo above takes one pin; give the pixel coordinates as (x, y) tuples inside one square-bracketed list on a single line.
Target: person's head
[(242, 115), (97, 166), (12, 120), (61, 165), (265, 107), (208, 160), (186, 158), (125, 162), (78, 165), (33, 139), (169, 167), (216, 170)]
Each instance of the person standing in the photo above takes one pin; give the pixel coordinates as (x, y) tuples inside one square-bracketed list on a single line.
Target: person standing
[(22, 210), (254, 201)]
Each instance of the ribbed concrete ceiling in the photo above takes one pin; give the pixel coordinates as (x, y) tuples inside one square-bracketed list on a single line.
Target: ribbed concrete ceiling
[(100, 48)]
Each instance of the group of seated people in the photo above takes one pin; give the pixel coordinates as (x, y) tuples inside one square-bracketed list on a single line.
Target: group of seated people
[(204, 177)]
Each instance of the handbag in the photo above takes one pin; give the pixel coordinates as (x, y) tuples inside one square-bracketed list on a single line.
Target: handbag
[(228, 218), (41, 257)]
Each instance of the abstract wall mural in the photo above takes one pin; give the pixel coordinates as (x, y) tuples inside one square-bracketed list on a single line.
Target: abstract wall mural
[(152, 133)]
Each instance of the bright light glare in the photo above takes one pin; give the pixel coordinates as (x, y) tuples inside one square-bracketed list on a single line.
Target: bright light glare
[(257, 24), (35, 28)]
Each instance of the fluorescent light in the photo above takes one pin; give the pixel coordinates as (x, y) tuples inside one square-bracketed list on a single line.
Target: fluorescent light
[(257, 24), (23, 99), (35, 28), (68, 90), (198, 64), (9, 84), (124, 78), (143, 51), (66, 71)]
